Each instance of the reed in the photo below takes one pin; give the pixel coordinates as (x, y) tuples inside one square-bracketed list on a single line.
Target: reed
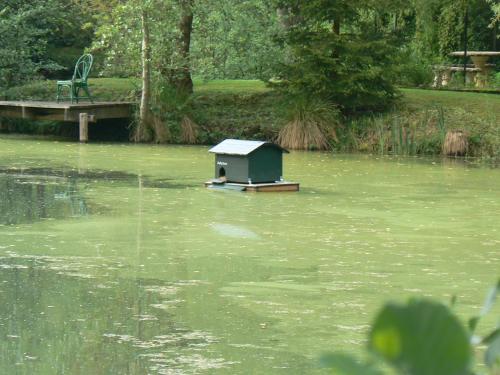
[(381, 130), (397, 143), (441, 124)]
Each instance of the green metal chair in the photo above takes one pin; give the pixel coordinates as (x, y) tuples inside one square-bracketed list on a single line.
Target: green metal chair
[(78, 82)]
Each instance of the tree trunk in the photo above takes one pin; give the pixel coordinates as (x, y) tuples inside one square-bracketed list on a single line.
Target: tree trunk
[(284, 17), (183, 80), (289, 17), (336, 26), (144, 112), (495, 34)]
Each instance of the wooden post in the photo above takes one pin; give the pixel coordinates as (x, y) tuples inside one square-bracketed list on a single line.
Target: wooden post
[(84, 127), (466, 25)]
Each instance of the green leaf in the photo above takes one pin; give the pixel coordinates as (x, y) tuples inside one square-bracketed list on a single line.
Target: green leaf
[(453, 300), (473, 323), (421, 338), (344, 364), (487, 306), (491, 337), (492, 355), (490, 299)]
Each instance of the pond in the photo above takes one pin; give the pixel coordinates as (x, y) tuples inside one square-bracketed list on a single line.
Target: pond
[(114, 259)]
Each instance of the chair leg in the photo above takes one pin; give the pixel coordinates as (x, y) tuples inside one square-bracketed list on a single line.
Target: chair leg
[(86, 89)]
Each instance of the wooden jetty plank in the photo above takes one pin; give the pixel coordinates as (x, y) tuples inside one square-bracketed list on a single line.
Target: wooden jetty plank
[(41, 104), (83, 113), (65, 111)]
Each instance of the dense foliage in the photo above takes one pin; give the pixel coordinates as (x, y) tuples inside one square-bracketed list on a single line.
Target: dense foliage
[(349, 54), (341, 52), (235, 39), (440, 27), (41, 38), (24, 28)]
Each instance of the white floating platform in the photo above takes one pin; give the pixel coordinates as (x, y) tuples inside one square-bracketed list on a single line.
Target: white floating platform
[(267, 187)]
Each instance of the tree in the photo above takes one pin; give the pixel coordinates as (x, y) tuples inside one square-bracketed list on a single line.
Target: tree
[(137, 40), (496, 10), (25, 28), (235, 39), (440, 27), (340, 54), (181, 78), (71, 30), (145, 109)]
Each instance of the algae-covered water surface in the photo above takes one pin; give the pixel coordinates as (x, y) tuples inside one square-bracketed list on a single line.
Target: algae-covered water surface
[(114, 259)]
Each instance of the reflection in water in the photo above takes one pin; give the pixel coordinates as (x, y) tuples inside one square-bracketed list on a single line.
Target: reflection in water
[(52, 320), (27, 197), (234, 231)]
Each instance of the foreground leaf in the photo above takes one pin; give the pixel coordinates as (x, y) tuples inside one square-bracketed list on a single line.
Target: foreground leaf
[(343, 364), (421, 338), (492, 355)]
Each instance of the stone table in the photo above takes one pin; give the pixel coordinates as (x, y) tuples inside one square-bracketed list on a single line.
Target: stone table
[(480, 60)]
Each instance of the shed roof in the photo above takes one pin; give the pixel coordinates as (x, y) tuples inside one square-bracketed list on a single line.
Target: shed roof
[(240, 147)]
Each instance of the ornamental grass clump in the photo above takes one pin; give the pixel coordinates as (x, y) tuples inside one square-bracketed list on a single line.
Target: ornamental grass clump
[(189, 130), (162, 132), (310, 126), (455, 143)]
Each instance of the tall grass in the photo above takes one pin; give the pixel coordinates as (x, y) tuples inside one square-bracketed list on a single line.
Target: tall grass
[(396, 133), (189, 130), (403, 135), (381, 130), (310, 125), (455, 143), (441, 124), (434, 131)]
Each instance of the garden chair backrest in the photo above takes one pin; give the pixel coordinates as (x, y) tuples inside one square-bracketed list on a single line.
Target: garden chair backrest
[(82, 67)]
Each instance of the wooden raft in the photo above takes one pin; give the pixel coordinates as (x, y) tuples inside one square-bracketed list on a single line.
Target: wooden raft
[(83, 113), (267, 187)]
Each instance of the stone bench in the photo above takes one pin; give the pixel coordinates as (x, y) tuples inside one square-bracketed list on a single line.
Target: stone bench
[(444, 73)]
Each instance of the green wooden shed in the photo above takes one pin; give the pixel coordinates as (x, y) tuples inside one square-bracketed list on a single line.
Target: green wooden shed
[(248, 162)]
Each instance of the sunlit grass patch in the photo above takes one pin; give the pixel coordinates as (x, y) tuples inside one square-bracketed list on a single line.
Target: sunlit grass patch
[(230, 86)]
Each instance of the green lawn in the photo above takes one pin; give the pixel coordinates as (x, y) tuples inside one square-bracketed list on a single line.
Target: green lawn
[(119, 88), (230, 86), (200, 86), (475, 103)]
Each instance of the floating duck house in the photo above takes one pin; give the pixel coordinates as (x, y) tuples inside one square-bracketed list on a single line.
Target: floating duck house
[(249, 163)]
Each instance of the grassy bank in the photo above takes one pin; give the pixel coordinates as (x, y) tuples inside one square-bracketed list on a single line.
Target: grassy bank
[(422, 119), (418, 124)]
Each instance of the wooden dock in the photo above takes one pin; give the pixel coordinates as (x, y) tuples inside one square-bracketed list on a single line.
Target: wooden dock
[(83, 113), (266, 187)]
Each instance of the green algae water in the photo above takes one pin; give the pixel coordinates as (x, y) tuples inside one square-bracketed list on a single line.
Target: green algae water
[(114, 259)]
